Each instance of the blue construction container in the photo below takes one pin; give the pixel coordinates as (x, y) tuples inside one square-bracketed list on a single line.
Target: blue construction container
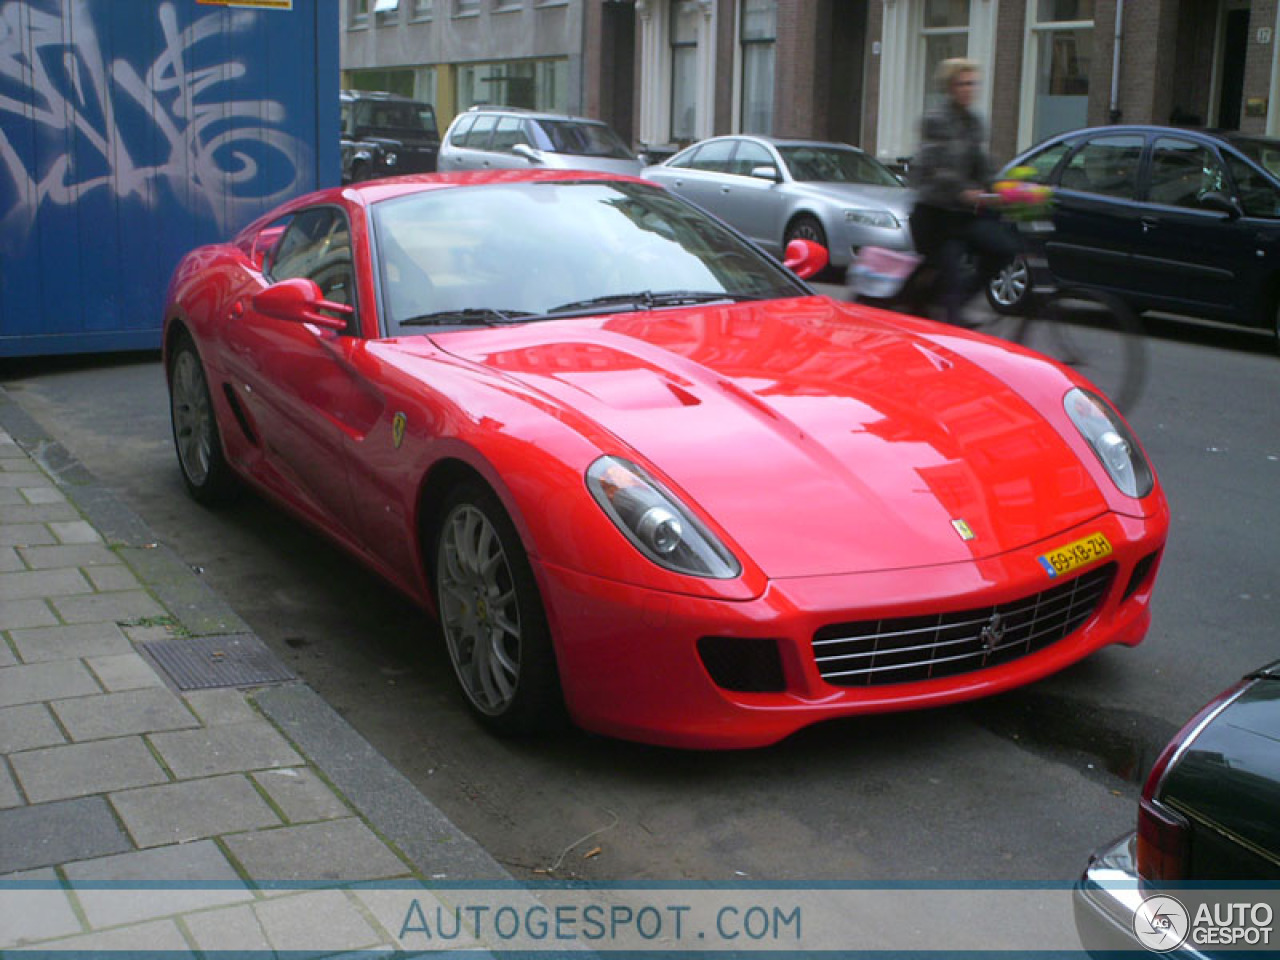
[(134, 130)]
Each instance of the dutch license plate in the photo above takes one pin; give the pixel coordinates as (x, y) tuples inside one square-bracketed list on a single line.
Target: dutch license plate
[(1075, 555)]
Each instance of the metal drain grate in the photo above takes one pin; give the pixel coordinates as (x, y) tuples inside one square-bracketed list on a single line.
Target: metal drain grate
[(235, 660)]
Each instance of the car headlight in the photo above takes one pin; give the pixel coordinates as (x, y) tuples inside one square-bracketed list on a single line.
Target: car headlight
[(390, 158), (872, 218), (1111, 441), (662, 528)]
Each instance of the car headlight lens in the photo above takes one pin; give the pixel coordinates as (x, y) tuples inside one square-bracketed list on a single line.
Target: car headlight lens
[(391, 158), (1111, 441), (872, 218), (662, 528)]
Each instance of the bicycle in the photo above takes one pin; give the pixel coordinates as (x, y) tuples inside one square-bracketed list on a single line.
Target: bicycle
[(1081, 326)]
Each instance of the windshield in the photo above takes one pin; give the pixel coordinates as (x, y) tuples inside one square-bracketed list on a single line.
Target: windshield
[(528, 248), (397, 115), (584, 139), (1265, 153), (836, 165)]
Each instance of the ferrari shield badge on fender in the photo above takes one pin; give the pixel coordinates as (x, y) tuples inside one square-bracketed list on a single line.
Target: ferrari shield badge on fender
[(397, 429), (962, 528)]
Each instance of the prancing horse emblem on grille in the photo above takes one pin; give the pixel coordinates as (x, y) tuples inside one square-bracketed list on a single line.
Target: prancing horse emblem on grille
[(992, 632)]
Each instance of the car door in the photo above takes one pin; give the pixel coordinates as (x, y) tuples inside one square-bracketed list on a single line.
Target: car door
[(302, 399), (1189, 256), (506, 134), (702, 175), (755, 205), (1096, 212)]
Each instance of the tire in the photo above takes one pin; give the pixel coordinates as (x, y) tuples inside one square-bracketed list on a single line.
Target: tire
[(196, 439), (1009, 291), (1096, 333), (492, 618), (806, 227)]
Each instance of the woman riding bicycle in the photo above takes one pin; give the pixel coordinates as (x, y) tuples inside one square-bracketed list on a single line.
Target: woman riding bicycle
[(950, 173)]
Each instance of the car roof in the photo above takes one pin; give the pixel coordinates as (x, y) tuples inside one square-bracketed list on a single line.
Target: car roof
[(779, 141), (524, 112), (381, 96), (1208, 133)]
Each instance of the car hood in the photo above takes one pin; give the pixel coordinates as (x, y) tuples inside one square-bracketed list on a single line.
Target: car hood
[(822, 438), (897, 200)]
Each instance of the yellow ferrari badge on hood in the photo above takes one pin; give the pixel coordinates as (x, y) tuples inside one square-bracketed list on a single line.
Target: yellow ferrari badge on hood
[(398, 423)]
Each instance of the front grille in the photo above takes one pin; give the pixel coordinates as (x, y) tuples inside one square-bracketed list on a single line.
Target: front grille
[(906, 649)]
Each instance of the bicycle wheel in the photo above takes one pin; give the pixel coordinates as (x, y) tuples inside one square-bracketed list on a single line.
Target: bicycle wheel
[(1097, 334)]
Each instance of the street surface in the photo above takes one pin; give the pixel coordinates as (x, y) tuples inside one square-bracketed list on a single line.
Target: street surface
[(1021, 787)]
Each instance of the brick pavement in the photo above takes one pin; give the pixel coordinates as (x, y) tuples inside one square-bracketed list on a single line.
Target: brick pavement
[(135, 815)]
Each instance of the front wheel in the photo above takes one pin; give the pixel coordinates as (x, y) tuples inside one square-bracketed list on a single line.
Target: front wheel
[(1009, 291), (806, 227), (205, 471), (492, 617)]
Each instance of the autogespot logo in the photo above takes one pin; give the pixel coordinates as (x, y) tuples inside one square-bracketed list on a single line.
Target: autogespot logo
[(1161, 924)]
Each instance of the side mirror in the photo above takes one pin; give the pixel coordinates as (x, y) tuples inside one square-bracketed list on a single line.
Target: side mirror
[(805, 258), (1221, 203), (526, 151), (299, 301), (766, 172)]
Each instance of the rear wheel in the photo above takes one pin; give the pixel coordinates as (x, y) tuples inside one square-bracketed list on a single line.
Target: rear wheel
[(205, 471), (1009, 291), (492, 617)]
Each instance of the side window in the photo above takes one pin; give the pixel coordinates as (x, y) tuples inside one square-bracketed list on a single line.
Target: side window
[(317, 245), (506, 135), (1045, 162), (345, 112), (1254, 191), (714, 156), (1106, 165), (749, 156), (1182, 172), (686, 160), (461, 130), (481, 131)]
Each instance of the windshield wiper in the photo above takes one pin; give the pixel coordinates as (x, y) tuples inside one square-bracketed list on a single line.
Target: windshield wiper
[(649, 299), (485, 315)]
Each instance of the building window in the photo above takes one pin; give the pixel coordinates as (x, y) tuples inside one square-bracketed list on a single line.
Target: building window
[(684, 70), (533, 84), (359, 13), (1059, 57), (466, 8), (423, 9), (758, 33), (944, 35), (386, 11), (501, 6)]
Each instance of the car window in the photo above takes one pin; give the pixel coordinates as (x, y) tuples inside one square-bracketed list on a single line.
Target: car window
[(345, 112), (1106, 165), (1257, 195), (317, 245), (1183, 171), (749, 156), (1044, 162), (714, 156), (461, 130), (481, 132), (820, 163), (685, 160), (584, 139), (506, 135)]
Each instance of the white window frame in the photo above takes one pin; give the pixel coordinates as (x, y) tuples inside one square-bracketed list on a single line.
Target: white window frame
[(655, 70), (902, 81), (1031, 66)]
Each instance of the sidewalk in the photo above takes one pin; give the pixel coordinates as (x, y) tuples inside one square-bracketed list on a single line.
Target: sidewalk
[(210, 803)]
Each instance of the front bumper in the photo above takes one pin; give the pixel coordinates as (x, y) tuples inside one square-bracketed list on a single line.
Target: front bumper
[(1106, 899), (630, 664)]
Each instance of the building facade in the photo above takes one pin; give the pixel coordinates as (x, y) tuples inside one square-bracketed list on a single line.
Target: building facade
[(665, 73)]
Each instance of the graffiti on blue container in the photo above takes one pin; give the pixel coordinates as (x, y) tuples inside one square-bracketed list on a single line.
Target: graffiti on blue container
[(180, 125)]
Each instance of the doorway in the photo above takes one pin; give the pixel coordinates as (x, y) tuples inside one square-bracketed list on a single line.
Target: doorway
[(1231, 57)]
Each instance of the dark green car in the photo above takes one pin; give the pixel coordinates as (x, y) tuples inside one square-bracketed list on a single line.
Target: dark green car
[(1202, 871)]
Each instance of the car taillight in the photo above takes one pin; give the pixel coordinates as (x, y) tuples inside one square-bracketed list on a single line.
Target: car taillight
[(1162, 843), (1164, 835)]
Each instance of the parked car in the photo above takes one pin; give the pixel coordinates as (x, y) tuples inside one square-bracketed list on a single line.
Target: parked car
[(1171, 219), (384, 135), (777, 190), (641, 470), (509, 138), (1208, 816)]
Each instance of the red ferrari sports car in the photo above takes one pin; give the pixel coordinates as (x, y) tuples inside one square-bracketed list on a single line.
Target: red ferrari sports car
[(641, 473)]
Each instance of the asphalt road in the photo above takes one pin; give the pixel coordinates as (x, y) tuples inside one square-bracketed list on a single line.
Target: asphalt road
[(1020, 787)]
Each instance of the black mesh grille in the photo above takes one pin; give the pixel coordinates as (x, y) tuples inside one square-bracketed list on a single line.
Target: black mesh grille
[(906, 649), (744, 664)]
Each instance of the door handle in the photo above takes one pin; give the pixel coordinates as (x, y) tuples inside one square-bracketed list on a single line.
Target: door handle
[(724, 189)]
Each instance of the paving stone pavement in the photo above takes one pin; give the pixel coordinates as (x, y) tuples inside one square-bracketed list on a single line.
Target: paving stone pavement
[(138, 816)]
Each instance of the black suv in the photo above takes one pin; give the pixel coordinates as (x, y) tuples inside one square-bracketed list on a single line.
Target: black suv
[(384, 135)]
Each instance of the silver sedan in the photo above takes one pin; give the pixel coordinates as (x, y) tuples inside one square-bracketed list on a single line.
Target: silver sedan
[(777, 190)]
